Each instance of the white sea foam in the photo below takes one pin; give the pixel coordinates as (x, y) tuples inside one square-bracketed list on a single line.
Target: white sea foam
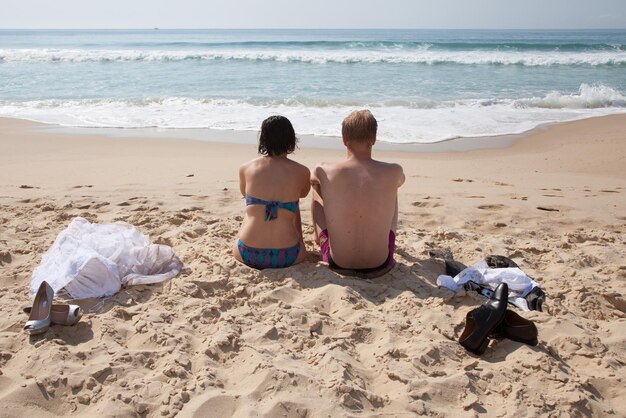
[(588, 97), (342, 56), (399, 124)]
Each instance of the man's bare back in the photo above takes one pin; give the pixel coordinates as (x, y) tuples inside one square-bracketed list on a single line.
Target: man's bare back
[(355, 207)]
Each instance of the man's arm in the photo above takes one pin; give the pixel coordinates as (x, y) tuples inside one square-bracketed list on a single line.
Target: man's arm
[(394, 220), (401, 176), (401, 179), (315, 181)]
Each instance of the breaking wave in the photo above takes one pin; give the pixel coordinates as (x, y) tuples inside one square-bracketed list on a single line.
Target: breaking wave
[(419, 55), (400, 121)]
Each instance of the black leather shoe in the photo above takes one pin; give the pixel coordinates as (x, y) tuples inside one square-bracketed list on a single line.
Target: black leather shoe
[(482, 321), (517, 328), (454, 267), (535, 299)]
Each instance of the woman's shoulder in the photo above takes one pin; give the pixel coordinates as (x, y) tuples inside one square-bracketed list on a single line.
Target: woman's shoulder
[(250, 164), (301, 168)]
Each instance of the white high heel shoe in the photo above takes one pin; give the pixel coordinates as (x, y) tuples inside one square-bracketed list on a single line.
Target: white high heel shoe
[(41, 312), (63, 314)]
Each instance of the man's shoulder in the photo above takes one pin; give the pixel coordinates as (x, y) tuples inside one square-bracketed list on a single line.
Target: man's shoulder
[(391, 167), (351, 165), (390, 171)]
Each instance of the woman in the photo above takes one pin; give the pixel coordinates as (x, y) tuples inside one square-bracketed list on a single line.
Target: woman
[(271, 232)]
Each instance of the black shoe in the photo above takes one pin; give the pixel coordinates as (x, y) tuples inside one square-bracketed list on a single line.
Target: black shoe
[(500, 262), (482, 321), (454, 267), (517, 328), (535, 299)]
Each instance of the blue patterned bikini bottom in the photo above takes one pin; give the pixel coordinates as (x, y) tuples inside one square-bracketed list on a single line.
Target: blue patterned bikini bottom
[(266, 258)]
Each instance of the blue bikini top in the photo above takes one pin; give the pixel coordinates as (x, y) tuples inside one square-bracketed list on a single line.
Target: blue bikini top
[(271, 207)]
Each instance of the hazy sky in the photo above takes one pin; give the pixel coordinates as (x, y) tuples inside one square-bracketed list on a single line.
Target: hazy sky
[(480, 14)]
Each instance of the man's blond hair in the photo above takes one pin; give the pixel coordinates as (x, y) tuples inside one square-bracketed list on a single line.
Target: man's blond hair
[(359, 126)]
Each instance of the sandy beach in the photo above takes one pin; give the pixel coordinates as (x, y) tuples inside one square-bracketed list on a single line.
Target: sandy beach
[(226, 340)]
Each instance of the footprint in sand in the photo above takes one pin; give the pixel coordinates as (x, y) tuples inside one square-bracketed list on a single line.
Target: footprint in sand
[(192, 209), (617, 300), (81, 186), (459, 180), (5, 258), (474, 197), (426, 204), (492, 207), (221, 405), (499, 183), (609, 191), (551, 195), (548, 209), (26, 186), (196, 197)]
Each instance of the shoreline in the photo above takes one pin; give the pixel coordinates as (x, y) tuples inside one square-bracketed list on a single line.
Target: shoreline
[(228, 136)]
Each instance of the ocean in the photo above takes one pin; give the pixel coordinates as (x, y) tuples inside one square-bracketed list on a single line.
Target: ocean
[(422, 85)]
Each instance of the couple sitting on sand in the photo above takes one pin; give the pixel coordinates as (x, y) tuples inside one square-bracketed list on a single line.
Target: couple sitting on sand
[(354, 210)]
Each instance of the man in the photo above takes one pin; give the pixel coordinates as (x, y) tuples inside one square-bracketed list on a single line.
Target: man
[(355, 204)]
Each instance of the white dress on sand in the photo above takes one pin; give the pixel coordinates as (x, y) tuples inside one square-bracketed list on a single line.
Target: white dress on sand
[(90, 260)]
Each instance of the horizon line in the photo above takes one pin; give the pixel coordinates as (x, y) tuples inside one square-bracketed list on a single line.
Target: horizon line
[(318, 28)]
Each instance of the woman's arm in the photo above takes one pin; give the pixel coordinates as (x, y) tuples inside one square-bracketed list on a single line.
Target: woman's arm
[(306, 182), (242, 180), (299, 223)]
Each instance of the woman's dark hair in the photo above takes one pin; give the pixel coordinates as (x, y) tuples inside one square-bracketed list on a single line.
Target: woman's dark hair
[(277, 137)]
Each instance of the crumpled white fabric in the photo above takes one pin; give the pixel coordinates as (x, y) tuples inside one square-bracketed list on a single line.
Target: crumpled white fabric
[(90, 260), (519, 283)]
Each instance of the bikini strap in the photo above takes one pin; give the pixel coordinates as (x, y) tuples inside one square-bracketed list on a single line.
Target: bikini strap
[(271, 207)]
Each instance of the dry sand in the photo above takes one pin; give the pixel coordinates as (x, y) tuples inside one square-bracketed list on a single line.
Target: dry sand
[(225, 340)]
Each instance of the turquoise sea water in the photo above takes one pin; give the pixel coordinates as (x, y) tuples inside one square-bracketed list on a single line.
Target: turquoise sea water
[(422, 85)]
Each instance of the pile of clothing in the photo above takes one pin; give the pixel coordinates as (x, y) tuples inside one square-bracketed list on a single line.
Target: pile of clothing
[(502, 282)]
